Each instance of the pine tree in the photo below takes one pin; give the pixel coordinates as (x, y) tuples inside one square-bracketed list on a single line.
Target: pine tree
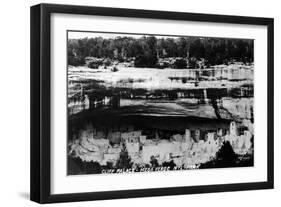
[(124, 161)]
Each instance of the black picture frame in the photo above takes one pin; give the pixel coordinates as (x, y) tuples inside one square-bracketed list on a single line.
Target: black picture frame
[(41, 98)]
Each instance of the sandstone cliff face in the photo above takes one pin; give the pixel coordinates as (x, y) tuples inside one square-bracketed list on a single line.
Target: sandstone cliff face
[(236, 109)]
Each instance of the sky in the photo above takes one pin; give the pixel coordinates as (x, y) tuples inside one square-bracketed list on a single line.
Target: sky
[(107, 35), (79, 35)]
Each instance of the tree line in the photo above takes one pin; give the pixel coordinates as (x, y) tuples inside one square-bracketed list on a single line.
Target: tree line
[(147, 51)]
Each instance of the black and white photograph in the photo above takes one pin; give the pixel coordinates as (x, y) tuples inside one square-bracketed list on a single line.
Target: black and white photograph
[(135, 102), (139, 103)]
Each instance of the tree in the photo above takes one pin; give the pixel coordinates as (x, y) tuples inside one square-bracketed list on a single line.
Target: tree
[(77, 166), (197, 49), (225, 157), (74, 165), (147, 56), (148, 49), (124, 161), (154, 161), (93, 168), (170, 164), (180, 63)]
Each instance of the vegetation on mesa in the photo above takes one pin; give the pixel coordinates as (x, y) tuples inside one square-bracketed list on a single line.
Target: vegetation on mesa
[(159, 52)]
